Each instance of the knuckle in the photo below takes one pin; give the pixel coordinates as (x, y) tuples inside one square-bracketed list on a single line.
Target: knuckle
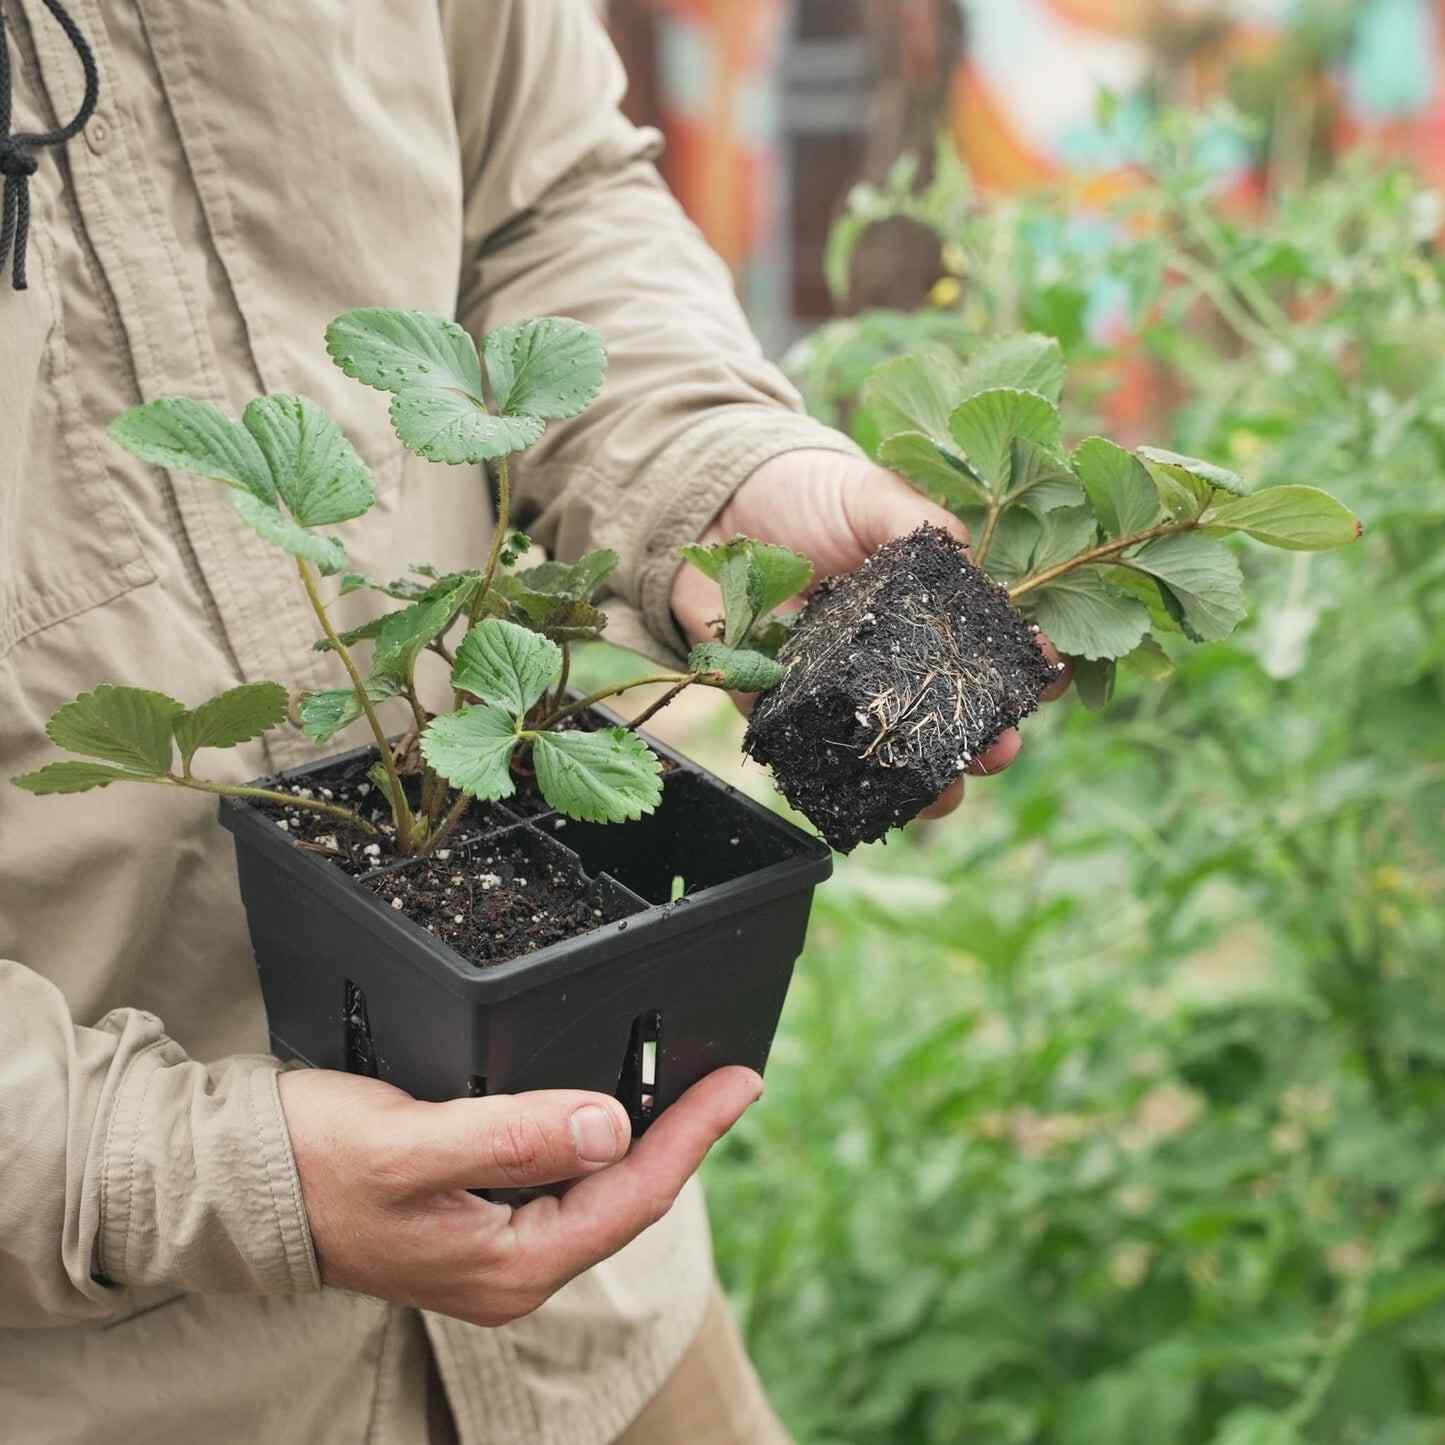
[(655, 1206)]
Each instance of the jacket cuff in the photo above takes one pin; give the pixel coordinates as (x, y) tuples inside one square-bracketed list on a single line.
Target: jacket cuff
[(716, 456), (199, 1189)]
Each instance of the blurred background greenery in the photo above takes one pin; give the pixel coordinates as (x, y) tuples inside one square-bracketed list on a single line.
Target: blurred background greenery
[(1112, 1111)]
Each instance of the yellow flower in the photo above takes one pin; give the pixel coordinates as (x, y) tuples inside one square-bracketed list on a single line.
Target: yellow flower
[(945, 293)]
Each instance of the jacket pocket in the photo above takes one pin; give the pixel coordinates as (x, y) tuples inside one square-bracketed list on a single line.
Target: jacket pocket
[(66, 541)]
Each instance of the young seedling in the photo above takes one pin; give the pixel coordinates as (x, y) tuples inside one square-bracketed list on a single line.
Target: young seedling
[(505, 633), (903, 673)]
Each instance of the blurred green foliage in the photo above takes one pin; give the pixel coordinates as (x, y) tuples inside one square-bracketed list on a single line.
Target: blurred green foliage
[(1113, 1112)]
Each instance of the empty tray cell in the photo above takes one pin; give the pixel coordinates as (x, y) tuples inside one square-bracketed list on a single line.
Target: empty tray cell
[(697, 834)]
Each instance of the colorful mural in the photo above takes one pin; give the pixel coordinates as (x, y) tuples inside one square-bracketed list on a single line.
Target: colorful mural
[(1022, 100), (1023, 103)]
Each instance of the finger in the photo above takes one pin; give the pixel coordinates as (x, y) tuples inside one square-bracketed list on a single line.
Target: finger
[(513, 1140), (888, 507), (596, 1217), (1056, 689), (998, 754), (948, 800)]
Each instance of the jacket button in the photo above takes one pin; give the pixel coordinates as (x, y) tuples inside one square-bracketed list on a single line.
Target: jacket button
[(98, 136)]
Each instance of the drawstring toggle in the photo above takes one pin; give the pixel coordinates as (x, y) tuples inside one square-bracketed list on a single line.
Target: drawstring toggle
[(17, 152)]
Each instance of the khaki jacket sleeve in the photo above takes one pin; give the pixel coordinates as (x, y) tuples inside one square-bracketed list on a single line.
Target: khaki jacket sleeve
[(128, 1167), (566, 214)]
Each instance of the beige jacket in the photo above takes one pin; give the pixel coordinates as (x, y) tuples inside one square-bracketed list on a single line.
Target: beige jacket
[(254, 169)]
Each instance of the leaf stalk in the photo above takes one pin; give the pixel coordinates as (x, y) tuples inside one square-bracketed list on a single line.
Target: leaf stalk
[(401, 809)]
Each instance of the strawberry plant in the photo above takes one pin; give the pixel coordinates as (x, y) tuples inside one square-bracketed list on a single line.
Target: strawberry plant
[(898, 676), (505, 629)]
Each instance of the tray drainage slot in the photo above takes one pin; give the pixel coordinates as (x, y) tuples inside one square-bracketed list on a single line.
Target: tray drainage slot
[(360, 1050), (637, 1081)]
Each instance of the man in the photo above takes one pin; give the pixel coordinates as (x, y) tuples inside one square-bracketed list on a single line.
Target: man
[(173, 1204)]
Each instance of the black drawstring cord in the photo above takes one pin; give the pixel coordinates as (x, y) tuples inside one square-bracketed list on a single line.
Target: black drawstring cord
[(17, 152)]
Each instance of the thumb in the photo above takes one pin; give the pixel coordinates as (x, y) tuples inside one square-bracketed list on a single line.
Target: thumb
[(513, 1140), (880, 506)]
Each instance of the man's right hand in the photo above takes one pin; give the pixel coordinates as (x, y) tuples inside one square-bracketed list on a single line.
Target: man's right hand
[(385, 1180)]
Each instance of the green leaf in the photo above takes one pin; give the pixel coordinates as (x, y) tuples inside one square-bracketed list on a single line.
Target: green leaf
[(1085, 618), (986, 426), (1300, 519), (561, 618), (1203, 575), (539, 369), (1253, 1425), (1119, 487), (755, 577), (610, 776), (325, 713), (1165, 612), (916, 393), (74, 777), (275, 526), (472, 750), (772, 634), (316, 471), (1216, 477), (1095, 682), (445, 426), (1064, 533), (125, 725), (506, 665), (404, 635), (572, 621), (742, 669), (934, 471), (1027, 362), (712, 560), (579, 579), (431, 367), (1014, 541), (235, 716), (551, 367), (1186, 484), (1149, 661), (194, 436), (1041, 479), (775, 575), (396, 351), (365, 633), (404, 589)]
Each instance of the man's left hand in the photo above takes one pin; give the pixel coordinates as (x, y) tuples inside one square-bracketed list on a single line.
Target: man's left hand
[(837, 510)]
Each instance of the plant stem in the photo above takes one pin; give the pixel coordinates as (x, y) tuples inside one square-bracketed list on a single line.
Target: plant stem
[(572, 709), (418, 712), (269, 795), (443, 831), (990, 526), (1102, 553), (1332, 1356), (401, 809), (499, 538), (649, 713), (1249, 331), (560, 696), (1266, 310)]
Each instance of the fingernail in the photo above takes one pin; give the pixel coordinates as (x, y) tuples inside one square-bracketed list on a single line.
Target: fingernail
[(594, 1134)]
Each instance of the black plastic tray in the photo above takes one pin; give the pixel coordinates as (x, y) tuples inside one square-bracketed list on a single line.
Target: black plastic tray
[(642, 1007)]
